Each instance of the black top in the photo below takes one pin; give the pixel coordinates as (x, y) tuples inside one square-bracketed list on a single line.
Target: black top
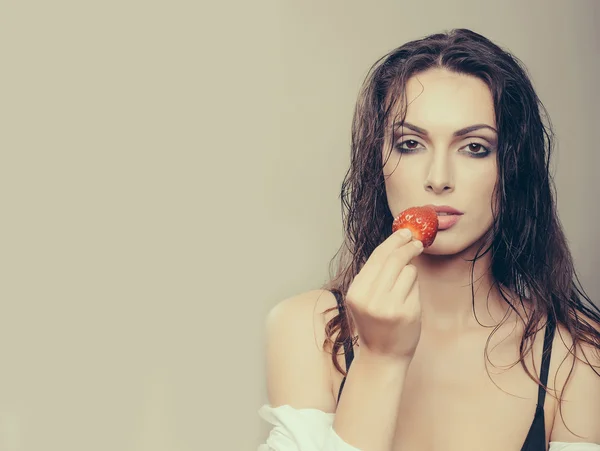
[(536, 437)]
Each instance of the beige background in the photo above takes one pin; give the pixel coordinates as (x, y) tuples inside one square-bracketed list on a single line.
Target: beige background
[(171, 170)]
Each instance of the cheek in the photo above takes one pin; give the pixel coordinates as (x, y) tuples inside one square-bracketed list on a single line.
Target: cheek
[(489, 182), (399, 181), (482, 177), (483, 184), (392, 162)]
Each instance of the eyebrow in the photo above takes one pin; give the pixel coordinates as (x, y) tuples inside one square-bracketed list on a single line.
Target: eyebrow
[(457, 133)]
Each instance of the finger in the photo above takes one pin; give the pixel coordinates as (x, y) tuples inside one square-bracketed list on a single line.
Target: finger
[(389, 301), (411, 306), (376, 260), (402, 286), (395, 263)]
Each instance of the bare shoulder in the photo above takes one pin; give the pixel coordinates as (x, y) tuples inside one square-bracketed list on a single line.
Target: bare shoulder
[(578, 419), (298, 367)]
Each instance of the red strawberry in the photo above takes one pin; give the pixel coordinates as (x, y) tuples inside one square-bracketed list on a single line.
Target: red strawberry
[(421, 221)]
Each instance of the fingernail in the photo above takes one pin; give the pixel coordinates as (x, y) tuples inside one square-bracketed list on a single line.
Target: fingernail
[(405, 233), (418, 244)]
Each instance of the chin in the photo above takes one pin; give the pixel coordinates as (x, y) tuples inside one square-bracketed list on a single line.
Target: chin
[(441, 249), (451, 245)]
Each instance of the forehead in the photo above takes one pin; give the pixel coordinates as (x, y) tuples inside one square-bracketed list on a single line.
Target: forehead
[(441, 100)]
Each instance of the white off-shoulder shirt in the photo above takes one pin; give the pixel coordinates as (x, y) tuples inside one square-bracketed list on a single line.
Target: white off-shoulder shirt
[(312, 430)]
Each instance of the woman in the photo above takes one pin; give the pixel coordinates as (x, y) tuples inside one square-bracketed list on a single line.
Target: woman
[(440, 348)]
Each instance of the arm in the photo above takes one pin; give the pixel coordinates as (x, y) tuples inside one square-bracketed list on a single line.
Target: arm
[(301, 404), (368, 409), (297, 368), (298, 375)]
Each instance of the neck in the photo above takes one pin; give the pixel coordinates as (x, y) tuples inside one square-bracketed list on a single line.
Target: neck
[(454, 295)]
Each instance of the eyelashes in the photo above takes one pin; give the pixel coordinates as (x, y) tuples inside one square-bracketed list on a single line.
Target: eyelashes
[(473, 149)]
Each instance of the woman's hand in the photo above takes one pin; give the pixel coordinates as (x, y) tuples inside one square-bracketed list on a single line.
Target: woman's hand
[(383, 300)]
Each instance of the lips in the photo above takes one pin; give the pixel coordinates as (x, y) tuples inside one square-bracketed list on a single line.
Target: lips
[(446, 209), (447, 216), (445, 222)]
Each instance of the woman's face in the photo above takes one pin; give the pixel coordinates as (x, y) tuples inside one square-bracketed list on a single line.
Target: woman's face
[(436, 160)]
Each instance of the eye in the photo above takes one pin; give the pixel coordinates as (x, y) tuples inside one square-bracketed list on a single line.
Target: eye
[(477, 150), (472, 149), (407, 146)]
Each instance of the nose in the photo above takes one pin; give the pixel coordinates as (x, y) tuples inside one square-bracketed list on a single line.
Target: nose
[(439, 177)]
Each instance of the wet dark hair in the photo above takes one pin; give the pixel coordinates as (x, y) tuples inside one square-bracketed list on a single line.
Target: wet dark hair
[(529, 251)]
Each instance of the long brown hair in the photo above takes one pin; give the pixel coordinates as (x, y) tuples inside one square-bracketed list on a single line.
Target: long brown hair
[(525, 216)]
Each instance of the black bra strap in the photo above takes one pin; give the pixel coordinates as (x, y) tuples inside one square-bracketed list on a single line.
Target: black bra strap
[(546, 354), (348, 350)]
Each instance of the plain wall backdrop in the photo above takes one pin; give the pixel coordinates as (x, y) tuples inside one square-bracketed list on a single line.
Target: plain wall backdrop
[(171, 170)]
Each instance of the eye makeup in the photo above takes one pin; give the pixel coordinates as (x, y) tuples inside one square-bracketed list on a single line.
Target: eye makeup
[(481, 151)]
